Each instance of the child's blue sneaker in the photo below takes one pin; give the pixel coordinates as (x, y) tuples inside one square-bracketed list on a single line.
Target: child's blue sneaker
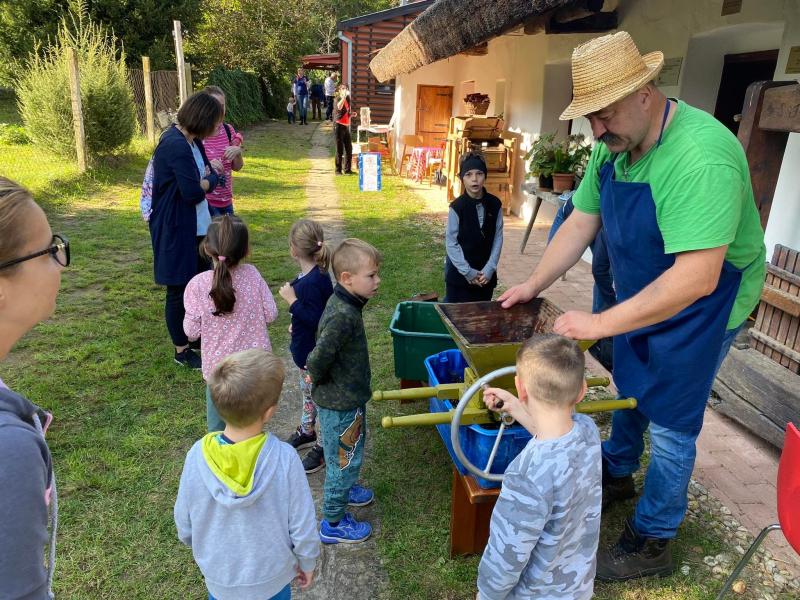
[(360, 496), (348, 531)]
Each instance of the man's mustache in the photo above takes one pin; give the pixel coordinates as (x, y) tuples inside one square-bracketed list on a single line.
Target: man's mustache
[(609, 138)]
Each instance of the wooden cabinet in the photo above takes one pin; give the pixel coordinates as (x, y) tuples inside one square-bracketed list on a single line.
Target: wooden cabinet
[(464, 133)]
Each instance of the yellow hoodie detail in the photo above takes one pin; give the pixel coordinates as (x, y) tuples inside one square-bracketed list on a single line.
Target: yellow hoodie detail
[(233, 464)]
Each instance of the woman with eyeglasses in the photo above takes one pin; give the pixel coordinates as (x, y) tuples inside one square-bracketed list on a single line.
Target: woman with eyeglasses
[(31, 261), (182, 175)]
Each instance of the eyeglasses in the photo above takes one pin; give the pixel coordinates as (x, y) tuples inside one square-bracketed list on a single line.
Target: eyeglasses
[(58, 249)]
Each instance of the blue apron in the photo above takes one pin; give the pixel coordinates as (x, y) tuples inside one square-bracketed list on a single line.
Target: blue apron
[(668, 367)]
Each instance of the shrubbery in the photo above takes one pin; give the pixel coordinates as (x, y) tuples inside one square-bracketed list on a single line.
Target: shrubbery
[(13, 134), (44, 97), (243, 103)]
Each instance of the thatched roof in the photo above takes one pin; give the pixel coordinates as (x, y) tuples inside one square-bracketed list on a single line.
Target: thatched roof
[(448, 27)]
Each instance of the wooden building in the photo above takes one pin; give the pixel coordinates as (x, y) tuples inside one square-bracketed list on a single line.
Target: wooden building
[(361, 38)]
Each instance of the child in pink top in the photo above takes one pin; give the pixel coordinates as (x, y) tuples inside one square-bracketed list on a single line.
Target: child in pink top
[(230, 306)]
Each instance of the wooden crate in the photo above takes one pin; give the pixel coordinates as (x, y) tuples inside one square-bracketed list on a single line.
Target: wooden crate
[(476, 128), (776, 333)]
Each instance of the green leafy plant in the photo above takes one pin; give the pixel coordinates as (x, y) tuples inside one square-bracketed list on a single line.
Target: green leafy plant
[(243, 101), (44, 96), (13, 134), (548, 156)]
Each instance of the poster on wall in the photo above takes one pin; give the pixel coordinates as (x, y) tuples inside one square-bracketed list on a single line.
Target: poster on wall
[(670, 72), (369, 172), (793, 63), (731, 7)]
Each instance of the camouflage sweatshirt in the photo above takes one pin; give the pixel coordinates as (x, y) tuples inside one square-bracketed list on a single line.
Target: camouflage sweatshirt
[(339, 363), (546, 523)]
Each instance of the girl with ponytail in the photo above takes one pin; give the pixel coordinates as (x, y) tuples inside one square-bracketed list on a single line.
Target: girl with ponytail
[(307, 295), (230, 306)]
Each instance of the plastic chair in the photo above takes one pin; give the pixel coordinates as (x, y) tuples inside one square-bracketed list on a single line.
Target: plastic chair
[(409, 142), (788, 503)]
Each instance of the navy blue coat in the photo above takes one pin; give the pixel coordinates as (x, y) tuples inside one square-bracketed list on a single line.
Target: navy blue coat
[(173, 223), (313, 290)]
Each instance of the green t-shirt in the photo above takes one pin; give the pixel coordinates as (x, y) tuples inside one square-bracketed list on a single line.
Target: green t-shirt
[(701, 187)]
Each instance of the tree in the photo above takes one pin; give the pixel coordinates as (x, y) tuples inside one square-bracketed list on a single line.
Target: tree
[(144, 27)]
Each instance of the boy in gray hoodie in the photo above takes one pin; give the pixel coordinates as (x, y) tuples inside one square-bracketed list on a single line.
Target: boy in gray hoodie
[(244, 506)]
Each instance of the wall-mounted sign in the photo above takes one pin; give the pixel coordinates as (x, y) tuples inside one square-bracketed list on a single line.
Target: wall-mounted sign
[(369, 172), (793, 64), (731, 7), (670, 72)]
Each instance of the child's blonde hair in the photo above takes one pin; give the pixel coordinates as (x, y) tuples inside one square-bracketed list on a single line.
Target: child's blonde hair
[(308, 240), (551, 369), (352, 254), (245, 384)]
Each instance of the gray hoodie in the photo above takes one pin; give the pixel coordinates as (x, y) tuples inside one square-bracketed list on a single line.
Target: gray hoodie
[(27, 494), (248, 546)]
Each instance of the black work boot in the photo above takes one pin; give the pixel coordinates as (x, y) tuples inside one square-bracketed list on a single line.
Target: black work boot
[(616, 488), (634, 556)]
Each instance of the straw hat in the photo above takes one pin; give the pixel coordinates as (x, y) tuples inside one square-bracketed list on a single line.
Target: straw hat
[(607, 69)]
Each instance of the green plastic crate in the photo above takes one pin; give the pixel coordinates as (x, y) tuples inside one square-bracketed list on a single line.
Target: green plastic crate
[(417, 332)]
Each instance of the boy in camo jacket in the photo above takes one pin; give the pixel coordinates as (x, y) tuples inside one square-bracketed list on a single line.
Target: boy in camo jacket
[(340, 377), (546, 523)]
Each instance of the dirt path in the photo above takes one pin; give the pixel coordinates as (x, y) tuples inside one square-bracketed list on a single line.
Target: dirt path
[(344, 571)]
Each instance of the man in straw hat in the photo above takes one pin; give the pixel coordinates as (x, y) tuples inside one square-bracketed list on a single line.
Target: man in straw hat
[(671, 187)]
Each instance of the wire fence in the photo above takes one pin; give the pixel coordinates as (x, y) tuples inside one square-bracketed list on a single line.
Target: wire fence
[(166, 99)]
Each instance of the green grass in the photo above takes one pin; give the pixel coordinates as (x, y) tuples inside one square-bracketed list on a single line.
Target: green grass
[(125, 416)]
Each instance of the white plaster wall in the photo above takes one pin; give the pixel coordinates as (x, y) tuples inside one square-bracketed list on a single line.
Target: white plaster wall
[(705, 58), (784, 218)]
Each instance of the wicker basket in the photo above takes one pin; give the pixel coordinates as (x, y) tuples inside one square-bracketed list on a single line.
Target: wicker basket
[(477, 108)]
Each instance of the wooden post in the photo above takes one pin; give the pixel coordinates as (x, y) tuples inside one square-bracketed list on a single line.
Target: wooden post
[(179, 61), (148, 100), (77, 109), (189, 82)]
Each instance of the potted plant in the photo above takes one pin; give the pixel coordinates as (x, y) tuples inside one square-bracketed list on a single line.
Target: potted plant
[(570, 157), (556, 163)]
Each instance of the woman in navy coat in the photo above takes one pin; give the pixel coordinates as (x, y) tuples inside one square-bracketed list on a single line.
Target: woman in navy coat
[(182, 174)]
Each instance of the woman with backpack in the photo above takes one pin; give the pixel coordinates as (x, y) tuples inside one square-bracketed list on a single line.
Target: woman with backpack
[(226, 146), (182, 175)]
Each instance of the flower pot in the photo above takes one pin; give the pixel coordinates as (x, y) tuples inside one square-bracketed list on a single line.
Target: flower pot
[(563, 182), (545, 183)]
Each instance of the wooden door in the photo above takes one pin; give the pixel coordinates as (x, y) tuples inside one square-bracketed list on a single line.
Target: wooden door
[(434, 107)]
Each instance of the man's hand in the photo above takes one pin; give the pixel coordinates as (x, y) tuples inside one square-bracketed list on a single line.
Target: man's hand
[(519, 294), (287, 293), (232, 152), (579, 325), (304, 578)]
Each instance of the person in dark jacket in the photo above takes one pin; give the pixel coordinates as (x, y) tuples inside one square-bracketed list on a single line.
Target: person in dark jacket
[(340, 377), (474, 236), (182, 174), (31, 261)]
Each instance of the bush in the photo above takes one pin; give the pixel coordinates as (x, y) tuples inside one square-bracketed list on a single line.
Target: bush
[(44, 97), (13, 134), (243, 102)]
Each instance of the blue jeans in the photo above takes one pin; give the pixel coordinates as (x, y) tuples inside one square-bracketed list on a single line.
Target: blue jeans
[(218, 211), (213, 421), (663, 502), (603, 294), (344, 433), (284, 594), (302, 108)]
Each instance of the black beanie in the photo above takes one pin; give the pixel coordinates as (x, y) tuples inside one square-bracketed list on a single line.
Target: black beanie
[(473, 161)]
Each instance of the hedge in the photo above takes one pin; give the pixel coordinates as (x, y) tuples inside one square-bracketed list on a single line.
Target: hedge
[(243, 100)]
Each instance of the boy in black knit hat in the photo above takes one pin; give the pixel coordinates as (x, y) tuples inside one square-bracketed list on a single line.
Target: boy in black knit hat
[(474, 236)]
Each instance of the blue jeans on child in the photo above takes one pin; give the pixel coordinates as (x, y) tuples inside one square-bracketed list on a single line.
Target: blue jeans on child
[(284, 594), (218, 211), (344, 433), (213, 421), (662, 505)]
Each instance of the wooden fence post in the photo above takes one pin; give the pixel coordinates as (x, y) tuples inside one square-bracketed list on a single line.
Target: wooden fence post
[(148, 100), (179, 60), (189, 82), (77, 109)]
